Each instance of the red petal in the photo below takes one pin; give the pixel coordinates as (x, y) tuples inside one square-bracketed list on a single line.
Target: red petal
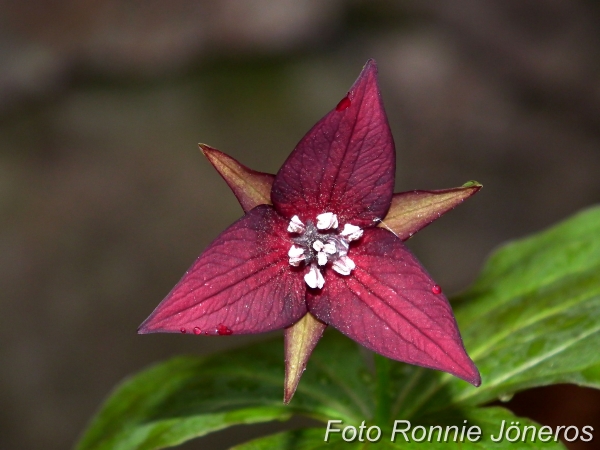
[(345, 164), (388, 305), (242, 283)]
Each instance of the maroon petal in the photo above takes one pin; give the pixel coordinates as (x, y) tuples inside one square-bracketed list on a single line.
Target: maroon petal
[(242, 283), (346, 162), (390, 305)]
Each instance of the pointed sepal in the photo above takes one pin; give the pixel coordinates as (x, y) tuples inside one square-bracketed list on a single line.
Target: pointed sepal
[(345, 164), (391, 305), (300, 341), (250, 187), (413, 210)]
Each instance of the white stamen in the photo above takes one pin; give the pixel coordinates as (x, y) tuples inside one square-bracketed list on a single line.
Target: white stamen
[(296, 225), (313, 278), (321, 258), (330, 248), (296, 255), (326, 221), (351, 232), (343, 265), (341, 246), (318, 246)]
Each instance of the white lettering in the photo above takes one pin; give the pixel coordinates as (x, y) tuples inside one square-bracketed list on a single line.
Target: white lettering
[(396, 430), (361, 428), (349, 439), (584, 431), (476, 431), (545, 433), (331, 430), (431, 429), (517, 435), (557, 432), (567, 431), (500, 433), (533, 431), (418, 439), (376, 438)]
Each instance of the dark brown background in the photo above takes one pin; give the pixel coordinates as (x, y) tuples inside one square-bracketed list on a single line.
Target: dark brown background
[(106, 200)]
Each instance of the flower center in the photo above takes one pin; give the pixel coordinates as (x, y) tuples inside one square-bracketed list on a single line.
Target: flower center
[(318, 245)]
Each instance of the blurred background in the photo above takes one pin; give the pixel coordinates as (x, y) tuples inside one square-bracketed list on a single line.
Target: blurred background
[(106, 199)]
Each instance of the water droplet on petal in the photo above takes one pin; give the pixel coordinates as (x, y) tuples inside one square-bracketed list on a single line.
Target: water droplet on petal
[(197, 330), (436, 289), (223, 330), (183, 330), (343, 104)]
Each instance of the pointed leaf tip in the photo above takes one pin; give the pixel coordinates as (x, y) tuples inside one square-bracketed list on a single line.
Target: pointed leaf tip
[(250, 187)]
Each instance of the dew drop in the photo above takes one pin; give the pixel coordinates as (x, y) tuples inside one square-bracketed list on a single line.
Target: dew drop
[(343, 104), (223, 330), (197, 330), (183, 330), (436, 289)]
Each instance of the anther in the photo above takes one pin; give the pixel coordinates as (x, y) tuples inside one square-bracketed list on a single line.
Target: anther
[(330, 248), (351, 232), (321, 258), (296, 255), (343, 265), (318, 246), (295, 225), (327, 221), (313, 278)]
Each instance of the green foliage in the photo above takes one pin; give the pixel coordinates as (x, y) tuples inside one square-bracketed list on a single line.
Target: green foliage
[(531, 319), (188, 397)]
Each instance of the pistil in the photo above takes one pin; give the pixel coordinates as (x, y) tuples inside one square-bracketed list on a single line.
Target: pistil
[(318, 245)]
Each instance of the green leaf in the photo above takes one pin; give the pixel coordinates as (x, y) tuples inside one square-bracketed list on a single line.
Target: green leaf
[(189, 396), (487, 419), (531, 319)]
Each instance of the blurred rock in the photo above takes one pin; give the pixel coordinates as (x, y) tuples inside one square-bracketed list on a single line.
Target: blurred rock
[(42, 42)]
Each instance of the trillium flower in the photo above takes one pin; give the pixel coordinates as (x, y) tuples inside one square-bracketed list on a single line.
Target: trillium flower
[(321, 244)]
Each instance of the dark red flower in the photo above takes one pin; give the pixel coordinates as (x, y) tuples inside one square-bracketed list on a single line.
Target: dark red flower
[(329, 245)]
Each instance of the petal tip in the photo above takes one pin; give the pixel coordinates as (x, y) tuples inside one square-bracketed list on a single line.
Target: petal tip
[(370, 64), (148, 326), (368, 70), (206, 149), (472, 376)]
